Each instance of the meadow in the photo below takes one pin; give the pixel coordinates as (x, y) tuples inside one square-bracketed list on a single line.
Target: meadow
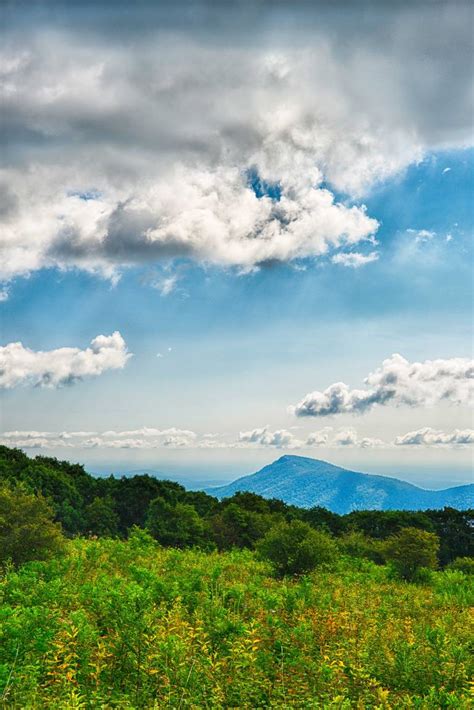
[(116, 623)]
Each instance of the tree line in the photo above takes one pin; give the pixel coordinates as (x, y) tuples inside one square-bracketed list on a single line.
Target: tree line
[(111, 507)]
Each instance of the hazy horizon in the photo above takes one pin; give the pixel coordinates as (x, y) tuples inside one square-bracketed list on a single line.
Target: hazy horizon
[(220, 472)]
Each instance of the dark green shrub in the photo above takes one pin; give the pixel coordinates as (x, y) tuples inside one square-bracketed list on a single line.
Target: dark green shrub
[(296, 548), (237, 527), (463, 564), (101, 518), (410, 550), (356, 544), (27, 530), (176, 525)]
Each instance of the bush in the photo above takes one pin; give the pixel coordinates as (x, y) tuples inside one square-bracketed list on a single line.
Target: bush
[(296, 548), (101, 518), (410, 550), (27, 530), (236, 526), (356, 544), (462, 564), (176, 525)]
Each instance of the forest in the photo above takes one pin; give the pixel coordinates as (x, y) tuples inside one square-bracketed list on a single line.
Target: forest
[(135, 593)]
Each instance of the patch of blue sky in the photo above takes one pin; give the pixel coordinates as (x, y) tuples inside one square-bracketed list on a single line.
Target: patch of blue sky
[(427, 196), (261, 187), (85, 195)]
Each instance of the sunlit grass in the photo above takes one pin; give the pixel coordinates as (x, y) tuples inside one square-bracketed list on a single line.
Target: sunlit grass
[(131, 625)]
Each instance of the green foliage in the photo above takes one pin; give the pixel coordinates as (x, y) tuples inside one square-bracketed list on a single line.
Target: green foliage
[(101, 518), (133, 496), (411, 550), (455, 531), (85, 504), (296, 548), (135, 624), (381, 524), (27, 531), (176, 525), (132, 625), (463, 564), (238, 527), (356, 544), (323, 519)]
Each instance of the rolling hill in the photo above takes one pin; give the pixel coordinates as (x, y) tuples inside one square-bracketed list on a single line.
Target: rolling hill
[(307, 482)]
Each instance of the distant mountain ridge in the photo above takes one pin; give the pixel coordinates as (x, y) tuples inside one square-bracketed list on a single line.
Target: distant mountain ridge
[(307, 482)]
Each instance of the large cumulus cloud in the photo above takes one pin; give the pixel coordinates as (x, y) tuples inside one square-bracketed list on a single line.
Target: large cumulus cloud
[(397, 382), (132, 141), (20, 365)]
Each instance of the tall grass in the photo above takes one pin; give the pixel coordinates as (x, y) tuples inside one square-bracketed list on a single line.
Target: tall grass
[(132, 625)]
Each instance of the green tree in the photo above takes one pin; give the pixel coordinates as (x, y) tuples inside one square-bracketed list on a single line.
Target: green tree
[(133, 496), (383, 523), (323, 519), (296, 548), (101, 518), (410, 550), (355, 544), (238, 527), (176, 525), (454, 528), (27, 530), (248, 501)]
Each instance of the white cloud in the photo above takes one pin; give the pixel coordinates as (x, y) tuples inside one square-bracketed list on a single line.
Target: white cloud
[(208, 214), (319, 438), (54, 368), (143, 438), (126, 153), (166, 284), (165, 280), (149, 438), (422, 235), (150, 432), (397, 382), (65, 435), (350, 437), (284, 439), (264, 437), (432, 437), (354, 259)]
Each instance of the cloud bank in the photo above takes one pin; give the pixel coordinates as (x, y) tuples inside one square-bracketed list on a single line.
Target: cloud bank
[(324, 438), (432, 437), (224, 140), (398, 382), (174, 438), (64, 366)]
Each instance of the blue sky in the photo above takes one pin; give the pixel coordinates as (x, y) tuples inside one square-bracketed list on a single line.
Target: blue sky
[(234, 314)]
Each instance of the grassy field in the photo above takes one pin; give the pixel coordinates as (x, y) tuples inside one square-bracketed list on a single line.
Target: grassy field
[(132, 625)]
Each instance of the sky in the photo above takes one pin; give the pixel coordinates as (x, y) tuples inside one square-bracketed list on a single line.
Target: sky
[(233, 232)]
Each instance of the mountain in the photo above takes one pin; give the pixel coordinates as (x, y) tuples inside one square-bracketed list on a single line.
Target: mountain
[(308, 482)]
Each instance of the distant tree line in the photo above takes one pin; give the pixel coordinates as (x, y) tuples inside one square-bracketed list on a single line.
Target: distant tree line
[(112, 507)]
